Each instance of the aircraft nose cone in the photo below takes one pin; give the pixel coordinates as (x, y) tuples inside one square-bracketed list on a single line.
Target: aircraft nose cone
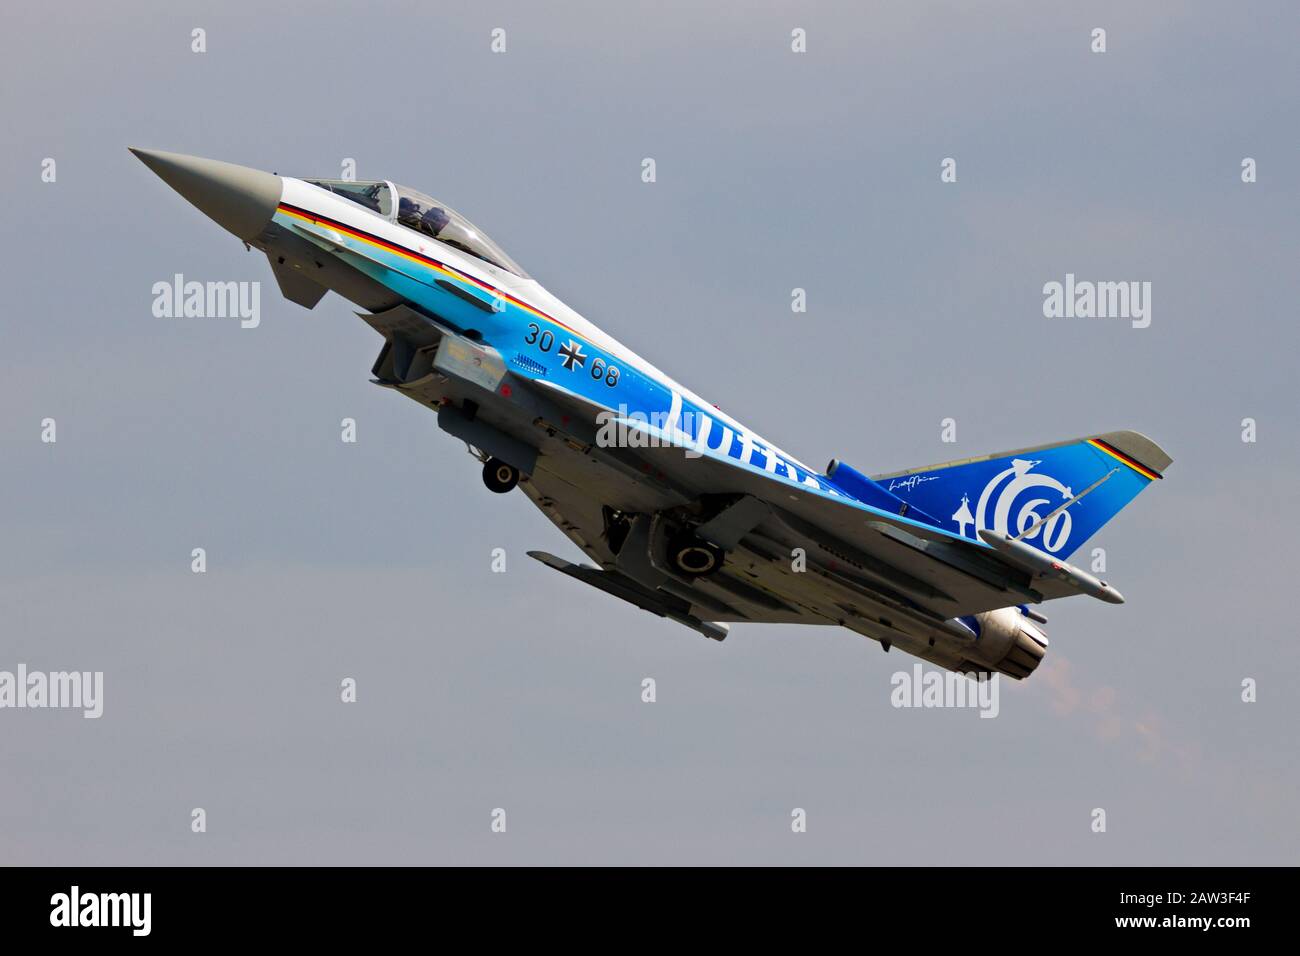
[(239, 199)]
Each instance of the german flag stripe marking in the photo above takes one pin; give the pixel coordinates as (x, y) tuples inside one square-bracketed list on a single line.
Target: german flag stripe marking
[(1114, 452), (316, 219)]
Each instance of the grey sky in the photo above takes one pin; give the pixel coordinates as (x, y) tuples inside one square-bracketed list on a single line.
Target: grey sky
[(522, 690)]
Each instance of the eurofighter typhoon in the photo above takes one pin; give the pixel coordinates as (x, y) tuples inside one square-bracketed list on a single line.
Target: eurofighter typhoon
[(682, 510)]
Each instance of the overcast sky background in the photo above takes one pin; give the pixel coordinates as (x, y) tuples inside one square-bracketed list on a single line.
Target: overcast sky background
[(522, 690)]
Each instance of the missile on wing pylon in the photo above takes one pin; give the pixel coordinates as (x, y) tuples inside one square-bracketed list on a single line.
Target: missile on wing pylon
[(626, 589), (1031, 559)]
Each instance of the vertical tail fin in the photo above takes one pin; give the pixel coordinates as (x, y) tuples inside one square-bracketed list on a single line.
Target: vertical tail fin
[(1053, 497)]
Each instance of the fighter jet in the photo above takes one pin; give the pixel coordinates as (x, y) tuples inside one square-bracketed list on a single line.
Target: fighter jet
[(681, 510)]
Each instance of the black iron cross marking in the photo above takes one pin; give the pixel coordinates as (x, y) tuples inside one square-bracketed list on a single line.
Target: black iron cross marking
[(571, 355)]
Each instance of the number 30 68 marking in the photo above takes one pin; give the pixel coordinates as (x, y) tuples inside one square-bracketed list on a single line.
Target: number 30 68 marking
[(545, 341)]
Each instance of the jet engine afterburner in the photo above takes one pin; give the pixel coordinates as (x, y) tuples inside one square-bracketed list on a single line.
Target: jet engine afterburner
[(1007, 640)]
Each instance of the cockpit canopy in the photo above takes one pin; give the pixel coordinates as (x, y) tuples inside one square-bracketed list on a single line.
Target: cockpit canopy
[(425, 215), (376, 197)]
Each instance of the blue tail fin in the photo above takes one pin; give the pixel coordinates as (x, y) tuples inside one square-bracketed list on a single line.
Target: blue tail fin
[(1022, 492)]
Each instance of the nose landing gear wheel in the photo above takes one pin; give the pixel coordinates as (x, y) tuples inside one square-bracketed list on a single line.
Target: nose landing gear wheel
[(693, 557), (498, 476)]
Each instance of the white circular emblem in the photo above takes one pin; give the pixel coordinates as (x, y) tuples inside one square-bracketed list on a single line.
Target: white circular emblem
[(1055, 532)]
